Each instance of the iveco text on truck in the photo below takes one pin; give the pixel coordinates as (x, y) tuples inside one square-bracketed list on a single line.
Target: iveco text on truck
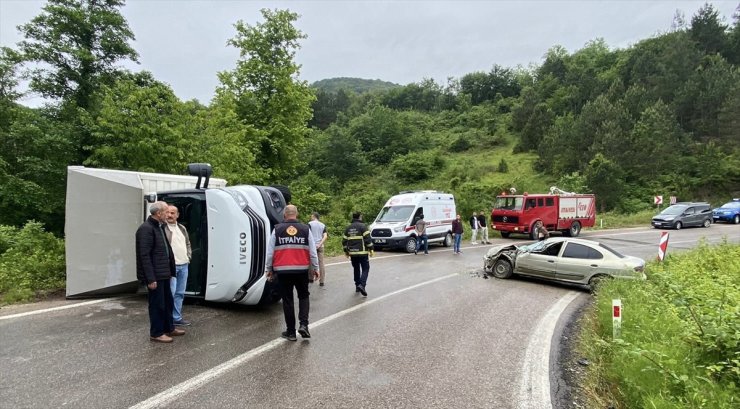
[(559, 211), (228, 228)]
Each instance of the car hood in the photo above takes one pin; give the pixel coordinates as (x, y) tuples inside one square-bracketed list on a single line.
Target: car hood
[(495, 250)]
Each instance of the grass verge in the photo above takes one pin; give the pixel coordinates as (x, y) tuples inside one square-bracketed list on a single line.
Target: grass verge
[(679, 338)]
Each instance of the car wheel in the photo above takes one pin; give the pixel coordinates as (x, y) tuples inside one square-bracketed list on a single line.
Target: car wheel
[(736, 219), (502, 269), (678, 226), (595, 281), (575, 230), (411, 245), (447, 242), (707, 223), (505, 234)]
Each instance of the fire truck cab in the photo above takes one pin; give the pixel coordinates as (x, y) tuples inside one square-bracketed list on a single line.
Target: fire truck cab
[(558, 211)]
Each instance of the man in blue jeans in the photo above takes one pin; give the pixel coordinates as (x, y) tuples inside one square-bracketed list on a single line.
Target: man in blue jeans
[(421, 235), (358, 245), (177, 235)]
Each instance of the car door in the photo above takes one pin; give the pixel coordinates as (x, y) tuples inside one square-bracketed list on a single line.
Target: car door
[(690, 217), (578, 263), (541, 263)]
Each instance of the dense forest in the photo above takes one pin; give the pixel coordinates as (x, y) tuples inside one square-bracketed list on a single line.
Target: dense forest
[(659, 117)]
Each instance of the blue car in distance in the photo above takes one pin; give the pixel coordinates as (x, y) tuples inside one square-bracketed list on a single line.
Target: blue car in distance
[(728, 212)]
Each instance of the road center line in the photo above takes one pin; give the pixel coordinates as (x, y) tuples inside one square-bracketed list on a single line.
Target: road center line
[(534, 385), (164, 398)]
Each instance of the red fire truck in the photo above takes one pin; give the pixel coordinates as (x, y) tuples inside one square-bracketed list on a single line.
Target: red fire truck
[(559, 211)]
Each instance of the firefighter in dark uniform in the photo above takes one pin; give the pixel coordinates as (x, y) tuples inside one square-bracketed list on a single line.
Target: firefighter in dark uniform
[(291, 257), (358, 246)]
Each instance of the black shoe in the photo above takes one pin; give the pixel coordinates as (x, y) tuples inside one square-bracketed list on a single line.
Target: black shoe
[(289, 336), (303, 330), (321, 284), (357, 288), (416, 251), (362, 290)]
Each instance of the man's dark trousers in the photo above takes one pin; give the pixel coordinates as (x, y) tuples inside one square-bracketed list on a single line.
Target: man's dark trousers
[(361, 266), (300, 281), (160, 309)]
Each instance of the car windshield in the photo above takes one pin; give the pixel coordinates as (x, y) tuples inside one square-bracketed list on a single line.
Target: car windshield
[(673, 210), (537, 246), (394, 214), (615, 252), (731, 205), (509, 202)]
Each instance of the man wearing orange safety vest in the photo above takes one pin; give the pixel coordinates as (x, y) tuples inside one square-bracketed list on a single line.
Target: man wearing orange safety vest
[(291, 256)]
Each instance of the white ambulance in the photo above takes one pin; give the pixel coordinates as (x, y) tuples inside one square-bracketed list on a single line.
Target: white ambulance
[(394, 225)]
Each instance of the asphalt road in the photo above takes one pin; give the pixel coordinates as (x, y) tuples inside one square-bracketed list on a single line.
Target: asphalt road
[(431, 333)]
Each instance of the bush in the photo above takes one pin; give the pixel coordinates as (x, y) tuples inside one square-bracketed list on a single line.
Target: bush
[(32, 263), (680, 335)]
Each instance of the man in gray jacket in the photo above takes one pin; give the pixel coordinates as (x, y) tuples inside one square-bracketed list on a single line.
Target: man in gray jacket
[(177, 236)]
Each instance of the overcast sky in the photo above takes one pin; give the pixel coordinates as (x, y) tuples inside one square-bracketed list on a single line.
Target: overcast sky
[(183, 42)]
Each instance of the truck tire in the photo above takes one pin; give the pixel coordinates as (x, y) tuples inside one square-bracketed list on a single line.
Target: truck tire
[(447, 242), (505, 234), (575, 230), (502, 268), (410, 245)]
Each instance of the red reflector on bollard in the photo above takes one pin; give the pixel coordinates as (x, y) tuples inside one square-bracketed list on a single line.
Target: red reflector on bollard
[(617, 312)]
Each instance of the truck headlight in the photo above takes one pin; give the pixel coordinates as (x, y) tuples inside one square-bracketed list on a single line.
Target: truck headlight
[(399, 229)]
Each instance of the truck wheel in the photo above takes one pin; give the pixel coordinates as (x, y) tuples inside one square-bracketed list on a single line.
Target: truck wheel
[(410, 245), (575, 230), (707, 223), (502, 269), (505, 234), (447, 242), (678, 226), (534, 234)]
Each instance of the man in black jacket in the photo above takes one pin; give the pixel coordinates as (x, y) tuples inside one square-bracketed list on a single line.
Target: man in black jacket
[(155, 266), (357, 246)]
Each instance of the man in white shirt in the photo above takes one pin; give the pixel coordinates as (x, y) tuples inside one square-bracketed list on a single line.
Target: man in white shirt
[(318, 231), (177, 235)]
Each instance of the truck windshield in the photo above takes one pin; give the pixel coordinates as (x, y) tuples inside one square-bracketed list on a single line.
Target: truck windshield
[(395, 214), (509, 202)]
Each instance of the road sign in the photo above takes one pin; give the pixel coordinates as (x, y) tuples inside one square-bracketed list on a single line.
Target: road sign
[(616, 318), (673, 200), (658, 200), (662, 245)]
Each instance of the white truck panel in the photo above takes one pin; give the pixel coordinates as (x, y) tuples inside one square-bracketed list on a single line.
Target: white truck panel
[(576, 207)]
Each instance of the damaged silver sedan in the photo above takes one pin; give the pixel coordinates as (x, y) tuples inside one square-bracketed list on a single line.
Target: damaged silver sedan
[(570, 260)]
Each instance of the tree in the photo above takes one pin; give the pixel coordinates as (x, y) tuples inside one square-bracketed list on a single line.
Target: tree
[(267, 94), (604, 177), (708, 30), (76, 45)]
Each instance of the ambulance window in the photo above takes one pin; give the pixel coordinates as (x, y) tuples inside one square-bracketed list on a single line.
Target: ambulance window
[(549, 202), (540, 202)]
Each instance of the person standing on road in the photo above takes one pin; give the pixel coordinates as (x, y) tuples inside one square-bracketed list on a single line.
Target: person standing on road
[(474, 225), (421, 235), (155, 266), (457, 230), (358, 245), (291, 256), (318, 230), (540, 232), (178, 238), (483, 227)]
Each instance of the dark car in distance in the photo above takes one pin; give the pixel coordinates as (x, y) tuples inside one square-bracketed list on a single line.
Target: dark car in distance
[(684, 214)]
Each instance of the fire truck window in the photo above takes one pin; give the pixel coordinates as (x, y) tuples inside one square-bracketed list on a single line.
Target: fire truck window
[(540, 202), (549, 202), (530, 204)]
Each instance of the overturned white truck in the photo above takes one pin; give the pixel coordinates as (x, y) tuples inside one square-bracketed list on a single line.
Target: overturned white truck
[(228, 228)]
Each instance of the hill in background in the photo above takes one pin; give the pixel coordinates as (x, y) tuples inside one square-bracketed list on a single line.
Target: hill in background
[(358, 85)]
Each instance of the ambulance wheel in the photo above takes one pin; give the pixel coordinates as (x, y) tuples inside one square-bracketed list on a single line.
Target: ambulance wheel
[(505, 234), (502, 269), (447, 242), (575, 230), (410, 245)]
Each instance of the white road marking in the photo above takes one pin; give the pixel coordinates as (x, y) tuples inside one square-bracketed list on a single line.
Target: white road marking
[(164, 398), (534, 385), (63, 307)]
